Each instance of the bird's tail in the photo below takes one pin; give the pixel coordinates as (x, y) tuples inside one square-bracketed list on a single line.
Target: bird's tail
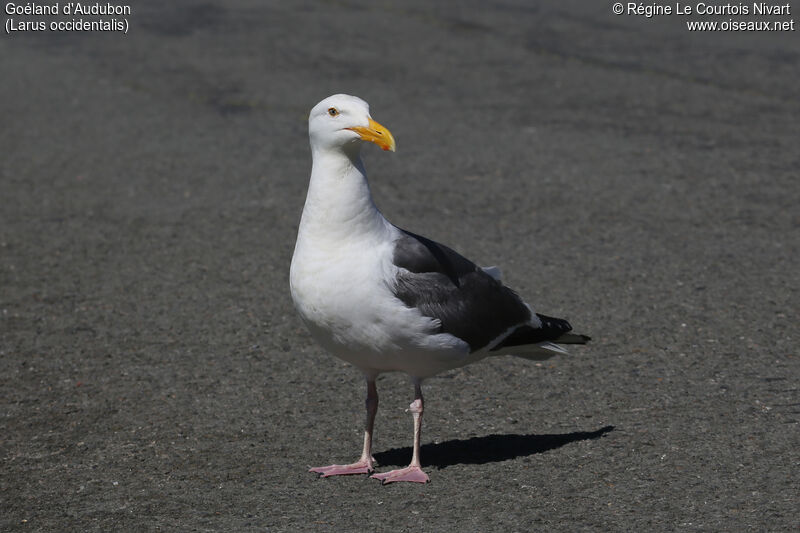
[(545, 350), (573, 338)]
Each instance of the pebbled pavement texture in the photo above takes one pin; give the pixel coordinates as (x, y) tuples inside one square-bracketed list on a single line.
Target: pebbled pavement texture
[(634, 177)]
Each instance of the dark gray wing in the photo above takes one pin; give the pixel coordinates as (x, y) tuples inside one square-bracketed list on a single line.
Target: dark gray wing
[(442, 284)]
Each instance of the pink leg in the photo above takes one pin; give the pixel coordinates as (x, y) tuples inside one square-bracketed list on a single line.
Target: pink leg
[(366, 463), (413, 472)]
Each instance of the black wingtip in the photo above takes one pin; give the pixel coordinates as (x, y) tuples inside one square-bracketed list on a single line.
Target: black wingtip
[(573, 338)]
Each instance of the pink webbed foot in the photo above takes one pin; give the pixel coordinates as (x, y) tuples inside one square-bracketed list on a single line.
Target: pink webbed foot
[(360, 467), (413, 474)]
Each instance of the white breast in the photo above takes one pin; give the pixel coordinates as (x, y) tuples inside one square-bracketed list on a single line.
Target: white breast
[(344, 296)]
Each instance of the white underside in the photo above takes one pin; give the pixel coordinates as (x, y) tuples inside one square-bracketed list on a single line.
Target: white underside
[(344, 296)]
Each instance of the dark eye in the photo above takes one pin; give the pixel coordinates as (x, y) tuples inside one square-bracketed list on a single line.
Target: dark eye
[(332, 111)]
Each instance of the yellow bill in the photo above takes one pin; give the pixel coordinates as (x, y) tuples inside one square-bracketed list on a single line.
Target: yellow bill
[(375, 133)]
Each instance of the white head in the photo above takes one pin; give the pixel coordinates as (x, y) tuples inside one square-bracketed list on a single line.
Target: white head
[(341, 120)]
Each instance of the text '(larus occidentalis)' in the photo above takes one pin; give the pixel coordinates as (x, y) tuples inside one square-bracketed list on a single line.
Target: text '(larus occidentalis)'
[(385, 299)]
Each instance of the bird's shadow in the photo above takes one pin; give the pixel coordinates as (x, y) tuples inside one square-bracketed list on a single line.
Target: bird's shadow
[(488, 449)]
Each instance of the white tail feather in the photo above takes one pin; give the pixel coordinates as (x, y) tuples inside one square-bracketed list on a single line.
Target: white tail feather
[(536, 352), (493, 271)]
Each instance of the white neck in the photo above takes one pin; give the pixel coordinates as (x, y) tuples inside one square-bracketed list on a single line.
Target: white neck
[(339, 203)]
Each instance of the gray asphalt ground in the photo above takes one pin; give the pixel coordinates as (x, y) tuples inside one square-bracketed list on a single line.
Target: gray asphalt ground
[(631, 176)]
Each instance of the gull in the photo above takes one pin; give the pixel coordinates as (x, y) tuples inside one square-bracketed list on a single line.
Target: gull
[(385, 299)]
